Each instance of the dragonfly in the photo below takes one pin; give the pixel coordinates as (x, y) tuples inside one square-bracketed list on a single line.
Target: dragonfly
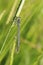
[(18, 23)]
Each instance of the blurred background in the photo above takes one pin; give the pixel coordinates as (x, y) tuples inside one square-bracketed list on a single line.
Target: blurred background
[(31, 33)]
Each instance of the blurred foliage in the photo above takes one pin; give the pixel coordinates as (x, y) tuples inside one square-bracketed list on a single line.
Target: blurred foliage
[(31, 30)]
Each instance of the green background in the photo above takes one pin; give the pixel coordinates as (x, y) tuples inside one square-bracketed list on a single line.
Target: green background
[(31, 33)]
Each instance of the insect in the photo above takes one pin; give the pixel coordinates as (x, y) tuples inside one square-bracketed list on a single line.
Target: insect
[(18, 23)]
